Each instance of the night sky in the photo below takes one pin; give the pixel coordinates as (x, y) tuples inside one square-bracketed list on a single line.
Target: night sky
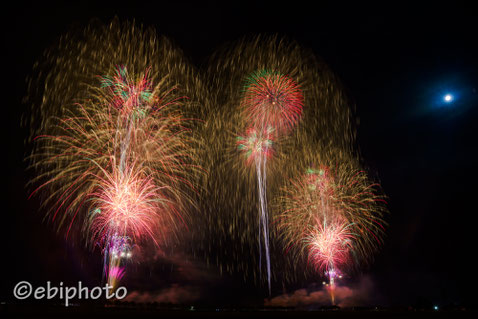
[(396, 61)]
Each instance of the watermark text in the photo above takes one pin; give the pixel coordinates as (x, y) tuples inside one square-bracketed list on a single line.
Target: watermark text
[(24, 290)]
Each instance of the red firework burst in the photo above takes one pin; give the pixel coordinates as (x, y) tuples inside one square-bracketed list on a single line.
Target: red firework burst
[(272, 100)]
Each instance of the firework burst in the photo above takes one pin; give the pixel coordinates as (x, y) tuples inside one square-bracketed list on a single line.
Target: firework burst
[(332, 216), (328, 245), (272, 100), (120, 165)]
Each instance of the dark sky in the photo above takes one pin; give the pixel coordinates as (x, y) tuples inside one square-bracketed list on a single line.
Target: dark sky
[(396, 61)]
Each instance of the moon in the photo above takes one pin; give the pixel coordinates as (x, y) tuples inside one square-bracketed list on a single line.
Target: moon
[(448, 98)]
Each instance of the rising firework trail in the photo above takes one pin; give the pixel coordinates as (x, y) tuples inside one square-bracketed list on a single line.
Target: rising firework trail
[(258, 147), (272, 105)]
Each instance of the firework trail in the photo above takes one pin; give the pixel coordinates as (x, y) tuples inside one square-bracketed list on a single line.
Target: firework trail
[(115, 159), (272, 105), (333, 216), (258, 147)]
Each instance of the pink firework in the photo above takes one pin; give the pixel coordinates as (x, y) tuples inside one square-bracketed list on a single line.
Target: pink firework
[(115, 273), (272, 100), (127, 204), (329, 245)]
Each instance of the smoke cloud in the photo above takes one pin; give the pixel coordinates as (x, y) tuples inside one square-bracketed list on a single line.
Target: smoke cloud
[(175, 294), (360, 294)]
